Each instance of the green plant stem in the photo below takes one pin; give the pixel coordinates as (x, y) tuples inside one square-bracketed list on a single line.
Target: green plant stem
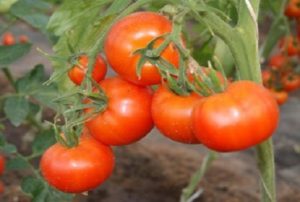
[(242, 41), (196, 178), (9, 77)]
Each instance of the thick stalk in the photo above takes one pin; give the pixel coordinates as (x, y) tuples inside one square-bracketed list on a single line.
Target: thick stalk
[(242, 40)]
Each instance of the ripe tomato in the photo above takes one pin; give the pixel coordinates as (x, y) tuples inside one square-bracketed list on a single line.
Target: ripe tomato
[(77, 73), (127, 117), (2, 164), (172, 115), (292, 9), (277, 61), (134, 32), (291, 83), (280, 96), (266, 77), (244, 115), (290, 45), (77, 169), (23, 39), (8, 39)]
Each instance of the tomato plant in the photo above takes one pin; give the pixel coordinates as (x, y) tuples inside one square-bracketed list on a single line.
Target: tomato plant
[(142, 42), (130, 34), (78, 72), (77, 169), (127, 116), (229, 121)]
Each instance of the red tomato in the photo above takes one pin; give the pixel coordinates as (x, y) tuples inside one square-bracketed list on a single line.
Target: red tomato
[(289, 44), (244, 115), (23, 39), (2, 164), (77, 169), (280, 96), (77, 73), (172, 115), (266, 75), (8, 39), (277, 61), (291, 83), (127, 117), (292, 9), (134, 32)]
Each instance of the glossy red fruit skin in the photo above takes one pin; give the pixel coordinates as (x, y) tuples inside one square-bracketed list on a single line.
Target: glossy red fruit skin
[(127, 117), (290, 44), (277, 61), (291, 83), (2, 164), (77, 74), (23, 39), (77, 169), (292, 9), (134, 32), (172, 115), (280, 96), (243, 116), (8, 39)]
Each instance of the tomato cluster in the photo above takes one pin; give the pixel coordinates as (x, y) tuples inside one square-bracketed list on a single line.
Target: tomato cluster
[(282, 74), (9, 39), (234, 118)]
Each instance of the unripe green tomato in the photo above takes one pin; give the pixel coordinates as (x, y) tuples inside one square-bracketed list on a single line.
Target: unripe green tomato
[(6, 4)]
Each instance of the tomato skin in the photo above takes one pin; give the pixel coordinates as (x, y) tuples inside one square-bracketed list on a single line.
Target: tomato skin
[(2, 164), (291, 83), (8, 39), (277, 61), (134, 32), (127, 117), (77, 74), (280, 96), (292, 9), (172, 115), (244, 115), (290, 45), (23, 39), (77, 169)]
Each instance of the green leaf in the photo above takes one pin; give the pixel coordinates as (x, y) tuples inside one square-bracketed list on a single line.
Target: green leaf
[(32, 12), (43, 141), (16, 164), (2, 140), (9, 54), (9, 148), (84, 28), (32, 81), (33, 84), (32, 186), (16, 109), (42, 192)]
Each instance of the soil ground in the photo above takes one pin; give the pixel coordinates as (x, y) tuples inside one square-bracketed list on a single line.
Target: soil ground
[(156, 169)]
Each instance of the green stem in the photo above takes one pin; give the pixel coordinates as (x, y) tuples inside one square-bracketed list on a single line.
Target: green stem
[(196, 178), (242, 41), (266, 165), (9, 77)]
